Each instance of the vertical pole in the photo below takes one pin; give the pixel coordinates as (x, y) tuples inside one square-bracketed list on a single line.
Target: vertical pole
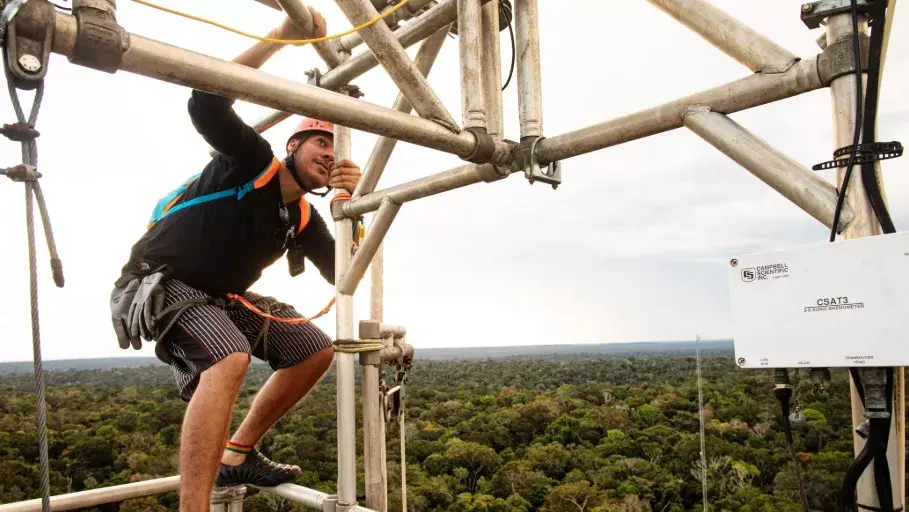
[(373, 420), (347, 447), (492, 70), (374, 440), (843, 91), (377, 313), (701, 418), (473, 111), (530, 94)]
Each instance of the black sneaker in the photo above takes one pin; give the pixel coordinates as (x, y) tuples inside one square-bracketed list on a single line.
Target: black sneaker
[(257, 470)]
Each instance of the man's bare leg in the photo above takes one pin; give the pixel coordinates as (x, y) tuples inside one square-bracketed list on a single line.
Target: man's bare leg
[(284, 389), (205, 428)]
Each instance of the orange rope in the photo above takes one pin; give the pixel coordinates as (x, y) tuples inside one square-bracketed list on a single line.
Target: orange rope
[(293, 321), (340, 196)]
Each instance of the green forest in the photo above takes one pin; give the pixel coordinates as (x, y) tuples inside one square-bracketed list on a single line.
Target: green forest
[(602, 434)]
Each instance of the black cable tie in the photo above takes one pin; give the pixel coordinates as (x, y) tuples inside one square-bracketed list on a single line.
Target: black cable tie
[(865, 153), (19, 132)]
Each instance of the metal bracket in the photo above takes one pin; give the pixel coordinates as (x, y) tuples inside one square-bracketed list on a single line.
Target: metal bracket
[(838, 59), (814, 13), (314, 76), (337, 506), (225, 495), (28, 43), (351, 90), (485, 148), (525, 158), (394, 398), (330, 504), (100, 42)]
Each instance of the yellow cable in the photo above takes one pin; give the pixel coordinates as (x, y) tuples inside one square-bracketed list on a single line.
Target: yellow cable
[(269, 39)]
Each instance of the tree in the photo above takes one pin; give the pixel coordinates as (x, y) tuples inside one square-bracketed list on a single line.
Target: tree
[(573, 497), (518, 478), (552, 459), (477, 459), (649, 415)]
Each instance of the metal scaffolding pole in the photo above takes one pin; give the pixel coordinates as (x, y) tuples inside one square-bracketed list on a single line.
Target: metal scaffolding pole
[(473, 109), (183, 67), (794, 181), (349, 42), (378, 159), (100, 496), (730, 35), (442, 15), (748, 92), (492, 70), (843, 96), (346, 371), (311, 498), (373, 440), (402, 71), (302, 19), (530, 93), (424, 187)]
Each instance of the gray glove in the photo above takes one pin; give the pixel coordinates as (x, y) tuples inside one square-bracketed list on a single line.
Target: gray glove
[(135, 309), (121, 303)]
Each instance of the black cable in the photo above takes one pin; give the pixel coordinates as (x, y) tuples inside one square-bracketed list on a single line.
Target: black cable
[(883, 484), (856, 48), (784, 395), (857, 379), (869, 174), (858, 466), (513, 51), (875, 450)]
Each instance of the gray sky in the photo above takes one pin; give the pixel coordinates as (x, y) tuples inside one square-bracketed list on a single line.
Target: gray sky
[(632, 246)]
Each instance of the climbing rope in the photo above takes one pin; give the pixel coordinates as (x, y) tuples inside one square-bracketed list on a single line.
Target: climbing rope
[(403, 443), (270, 39), (357, 346), (268, 316), (24, 133)]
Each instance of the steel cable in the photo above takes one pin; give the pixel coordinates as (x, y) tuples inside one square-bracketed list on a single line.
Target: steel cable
[(32, 191)]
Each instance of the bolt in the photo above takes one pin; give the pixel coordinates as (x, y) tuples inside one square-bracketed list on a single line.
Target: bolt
[(807, 7), (734, 262), (30, 63)]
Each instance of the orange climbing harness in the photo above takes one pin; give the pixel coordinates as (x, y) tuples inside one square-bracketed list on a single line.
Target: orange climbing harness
[(359, 230)]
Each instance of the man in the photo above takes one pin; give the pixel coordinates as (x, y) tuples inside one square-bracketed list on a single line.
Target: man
[(208, 247)]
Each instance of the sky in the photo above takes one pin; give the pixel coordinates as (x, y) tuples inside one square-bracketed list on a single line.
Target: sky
[(633, 246)]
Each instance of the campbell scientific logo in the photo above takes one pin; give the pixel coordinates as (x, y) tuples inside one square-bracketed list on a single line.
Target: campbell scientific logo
[(765, 272)]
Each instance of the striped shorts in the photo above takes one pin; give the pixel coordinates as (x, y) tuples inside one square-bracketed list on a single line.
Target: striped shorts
[(205, 334)]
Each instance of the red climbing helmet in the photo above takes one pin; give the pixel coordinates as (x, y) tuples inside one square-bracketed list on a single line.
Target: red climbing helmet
[(312, 125)]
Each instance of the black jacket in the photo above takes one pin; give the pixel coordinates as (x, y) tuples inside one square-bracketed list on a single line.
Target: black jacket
[(223, 246)]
